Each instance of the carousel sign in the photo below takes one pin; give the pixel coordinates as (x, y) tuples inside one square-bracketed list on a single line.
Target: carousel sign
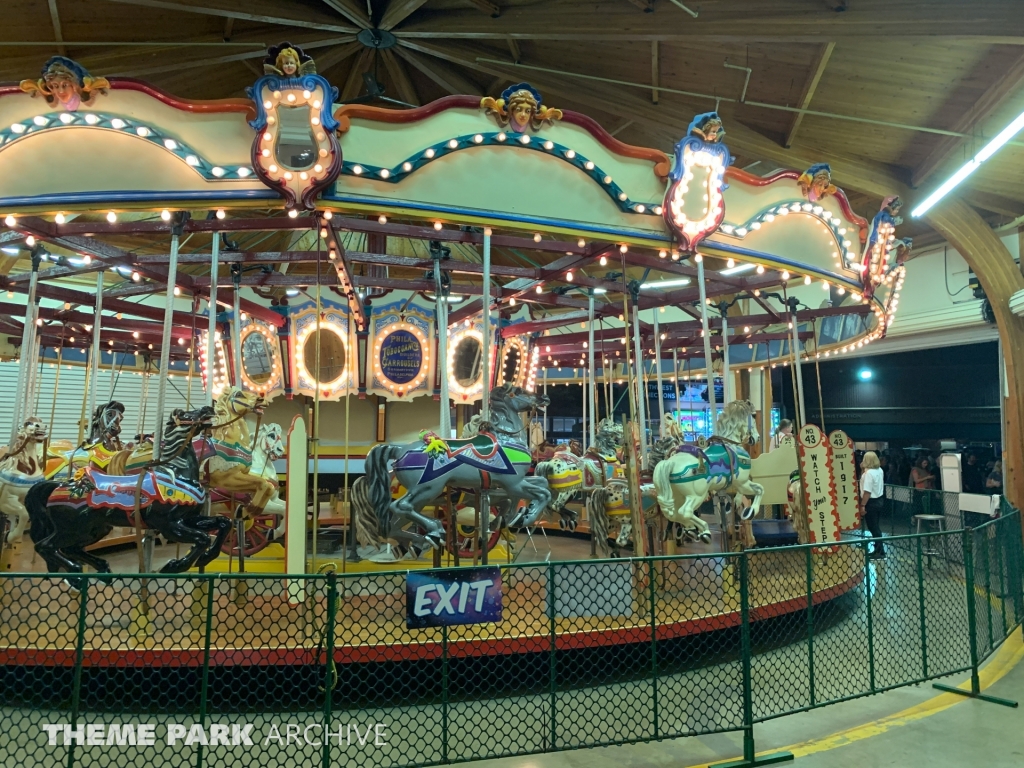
[(819, 490), (401, 357)]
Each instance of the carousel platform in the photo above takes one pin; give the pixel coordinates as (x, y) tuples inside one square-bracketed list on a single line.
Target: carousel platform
[(266, 621)]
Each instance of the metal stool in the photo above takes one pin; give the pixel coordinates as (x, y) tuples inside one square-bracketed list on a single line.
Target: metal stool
[(934, 524)]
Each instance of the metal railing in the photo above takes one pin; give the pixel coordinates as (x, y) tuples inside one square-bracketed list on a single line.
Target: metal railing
[(587, 653)]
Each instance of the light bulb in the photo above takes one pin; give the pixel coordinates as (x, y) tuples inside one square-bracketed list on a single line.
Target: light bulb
[(382, 219), (111, 217), (438, 226), (165, 215), (604, 261), (807, 279), (220, 213)]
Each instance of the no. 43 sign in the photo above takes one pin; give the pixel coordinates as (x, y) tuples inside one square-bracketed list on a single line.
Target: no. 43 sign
[(819, 490)]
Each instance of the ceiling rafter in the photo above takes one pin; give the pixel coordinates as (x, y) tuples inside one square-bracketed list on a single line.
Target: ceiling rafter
[(817, 70), (398, 11), (991, 100), (351, 11), (446, 78), (354, 82), (492, 10), (58, 35), (228, 10), (400, 77), (256, 53)]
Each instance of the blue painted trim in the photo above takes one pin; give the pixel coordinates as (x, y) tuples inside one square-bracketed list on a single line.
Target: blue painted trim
[(304, 82), (334, 197), (128, 127), (135, 196), (410, 165)]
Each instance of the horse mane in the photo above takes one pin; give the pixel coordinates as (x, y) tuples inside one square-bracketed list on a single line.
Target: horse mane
[(733, 421)]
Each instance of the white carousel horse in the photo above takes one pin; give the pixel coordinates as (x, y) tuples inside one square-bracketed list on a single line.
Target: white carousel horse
[(21, 468), (687, 477)]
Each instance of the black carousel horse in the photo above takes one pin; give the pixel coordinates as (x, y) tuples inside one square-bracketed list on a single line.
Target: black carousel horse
[(69, 516)]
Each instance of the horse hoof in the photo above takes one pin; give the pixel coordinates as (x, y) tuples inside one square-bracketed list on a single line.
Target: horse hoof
[(706, 538)]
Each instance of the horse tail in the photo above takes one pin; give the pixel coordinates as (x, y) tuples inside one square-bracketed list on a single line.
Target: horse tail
[(666, 499), (363, 518), (35, 502), (597, 512), (378, 481)]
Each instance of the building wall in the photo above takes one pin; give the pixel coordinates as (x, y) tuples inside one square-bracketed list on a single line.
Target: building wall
[(933, 394)]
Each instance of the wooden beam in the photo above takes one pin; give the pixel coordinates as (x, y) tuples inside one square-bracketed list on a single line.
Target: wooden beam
[(351, 11), (400, 77), (398, 11), (58, 35), (655, 79), (514, 49), (647, 6), (817, 70), (337, 55), (354, 81), (994, 203), (229, 25), (449, 80), (763, 23), (487, 7), (257, 53), (1000, 276), (226, 9), (990, 101)]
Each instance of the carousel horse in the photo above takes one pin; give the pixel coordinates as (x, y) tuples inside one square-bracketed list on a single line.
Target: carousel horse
[(20, 469), (568, 473), (495, 457), (692, 473), (608, 507), (259, 527), (99, 448), (69, 516), (226, 455)]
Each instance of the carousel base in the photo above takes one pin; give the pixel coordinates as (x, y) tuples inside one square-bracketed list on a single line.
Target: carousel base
[(278, 621), (271, 561)]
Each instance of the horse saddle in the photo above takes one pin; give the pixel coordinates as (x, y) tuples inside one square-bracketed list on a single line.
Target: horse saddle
[(232, 453), (482, 452), (98, 490)]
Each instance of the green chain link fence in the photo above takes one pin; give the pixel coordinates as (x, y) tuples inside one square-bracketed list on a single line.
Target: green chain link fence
[(586, 654)]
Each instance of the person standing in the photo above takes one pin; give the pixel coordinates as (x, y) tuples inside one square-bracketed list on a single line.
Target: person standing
[(994, 482), (921, 476), (785, 430), (872, 488), (971, 476)]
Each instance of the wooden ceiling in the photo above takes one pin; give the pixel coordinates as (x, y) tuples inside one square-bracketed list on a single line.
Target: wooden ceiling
[(906, 90)]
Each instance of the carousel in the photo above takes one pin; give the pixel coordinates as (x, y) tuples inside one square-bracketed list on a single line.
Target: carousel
[(300, 291)]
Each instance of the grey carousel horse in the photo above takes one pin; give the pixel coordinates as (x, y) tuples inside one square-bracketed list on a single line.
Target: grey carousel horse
[(496, 457)]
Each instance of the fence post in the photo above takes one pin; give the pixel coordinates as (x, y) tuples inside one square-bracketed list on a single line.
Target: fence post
[(750, 757), (444, 693), (920, 603), (329, 679), (972, 630), (871, 622), (204, 690), (76, 686), (654, 641), (986, 567), (1000, 533), (809, 564), (552, 668)]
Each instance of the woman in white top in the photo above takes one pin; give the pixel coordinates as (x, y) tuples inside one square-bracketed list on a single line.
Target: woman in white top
[(872, 488)]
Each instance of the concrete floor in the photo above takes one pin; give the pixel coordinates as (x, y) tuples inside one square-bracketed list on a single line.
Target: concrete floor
[(912, 726)]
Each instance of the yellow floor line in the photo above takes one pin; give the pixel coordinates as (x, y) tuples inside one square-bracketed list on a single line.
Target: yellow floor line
[(1008, 655)]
